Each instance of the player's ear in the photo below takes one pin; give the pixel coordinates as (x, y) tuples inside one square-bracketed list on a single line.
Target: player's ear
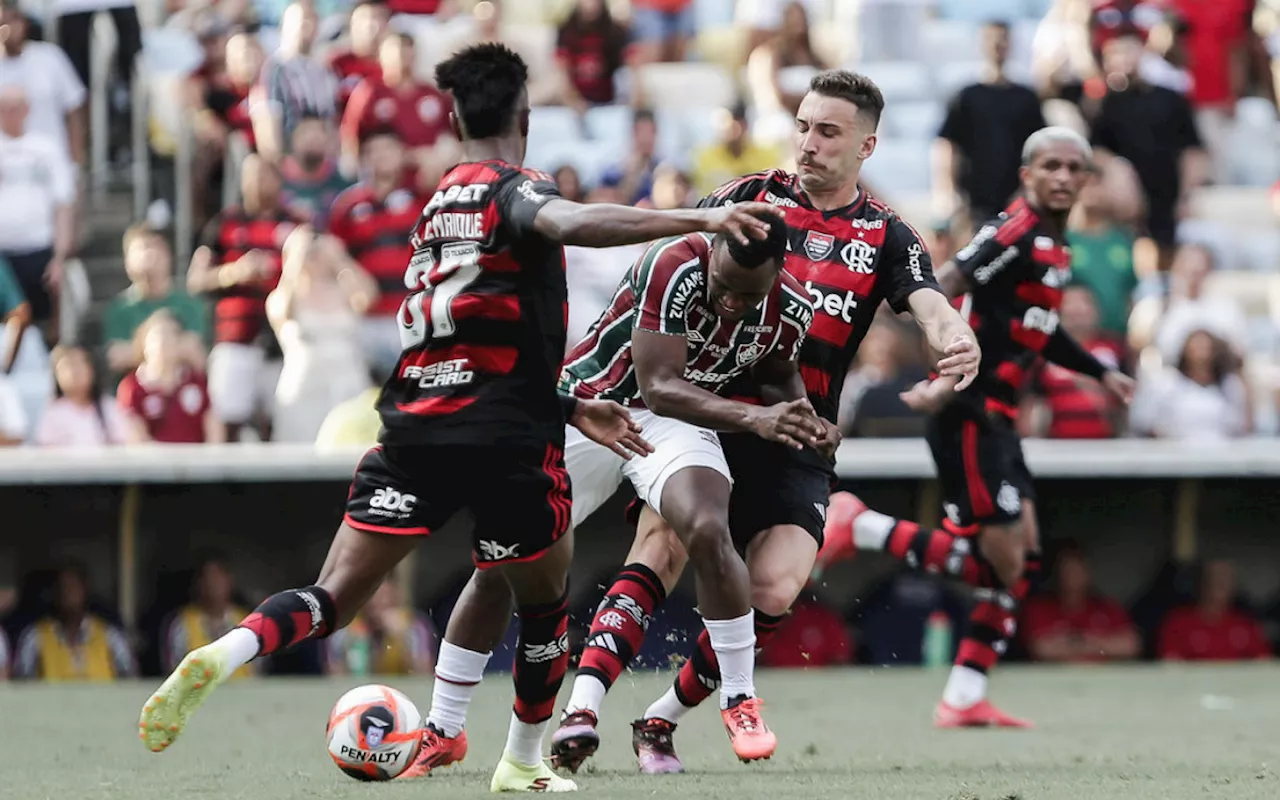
[(868, 146), (1024, 174)]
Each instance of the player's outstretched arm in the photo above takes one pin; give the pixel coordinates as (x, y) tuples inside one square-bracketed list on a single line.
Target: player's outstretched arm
[(948, 334), (610, 225), (660, 365), (1063, 350)]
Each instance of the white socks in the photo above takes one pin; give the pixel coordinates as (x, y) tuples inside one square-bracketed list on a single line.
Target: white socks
[(734, 641), (241, 647), (871, 530), (587, 695), (524, 742), (458, 671), (965, 687), (667, 707)]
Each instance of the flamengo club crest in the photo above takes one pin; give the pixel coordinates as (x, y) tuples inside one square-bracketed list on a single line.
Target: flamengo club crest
[(818, 245)]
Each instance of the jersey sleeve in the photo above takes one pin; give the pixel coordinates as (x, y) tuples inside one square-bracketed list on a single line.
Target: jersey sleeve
[(797, 316), (521, 195), (739, 190), (987, 255), (665, 280), (907, 265)]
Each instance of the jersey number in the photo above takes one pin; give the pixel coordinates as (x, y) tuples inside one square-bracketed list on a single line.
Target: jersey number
[(459, 265)]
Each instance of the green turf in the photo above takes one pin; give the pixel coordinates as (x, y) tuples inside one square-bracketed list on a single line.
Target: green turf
[(1148, 732)]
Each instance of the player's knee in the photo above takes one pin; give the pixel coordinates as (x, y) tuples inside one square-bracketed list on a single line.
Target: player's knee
[(707, 538), (660, 550), (775, 595), (1004, 549)]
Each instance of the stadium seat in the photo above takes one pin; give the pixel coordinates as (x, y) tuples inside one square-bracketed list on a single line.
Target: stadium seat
[(943, 41), (951, 78), (983, 10), (1252, 291), (1260, 250), (1241, 207), (712, 13), (900, 81), (919, 120), (684, 85), (899, 166), (555, 123), (171, 50)]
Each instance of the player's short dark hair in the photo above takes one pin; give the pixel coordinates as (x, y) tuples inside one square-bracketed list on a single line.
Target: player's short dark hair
[(486, 81), (772, 248), (853, 87)]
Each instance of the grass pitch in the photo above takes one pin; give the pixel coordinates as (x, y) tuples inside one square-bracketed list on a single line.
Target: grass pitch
[(1167, 733)]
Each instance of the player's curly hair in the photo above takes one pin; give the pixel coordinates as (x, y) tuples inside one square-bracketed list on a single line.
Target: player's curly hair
[(486, 81), (772, 248), (852, 87)]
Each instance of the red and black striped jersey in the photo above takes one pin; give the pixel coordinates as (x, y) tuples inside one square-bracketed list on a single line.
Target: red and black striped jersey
[(239, 312), (1016, 267), (484, 328), (848, 260), (1079, 409), (376, 233), (666, 291)]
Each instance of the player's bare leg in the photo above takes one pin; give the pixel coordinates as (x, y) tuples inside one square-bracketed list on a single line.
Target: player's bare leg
[(476, 626), (357, 563), (540, 588), (779, 561), (1014, 554)]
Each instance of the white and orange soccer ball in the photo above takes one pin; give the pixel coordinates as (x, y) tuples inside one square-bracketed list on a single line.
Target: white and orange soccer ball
[(374, 733)]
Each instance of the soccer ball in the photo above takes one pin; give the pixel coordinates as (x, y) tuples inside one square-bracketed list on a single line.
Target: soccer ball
[(374, 733)]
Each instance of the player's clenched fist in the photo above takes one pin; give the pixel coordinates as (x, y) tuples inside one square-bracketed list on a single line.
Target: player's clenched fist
[(793, 423)]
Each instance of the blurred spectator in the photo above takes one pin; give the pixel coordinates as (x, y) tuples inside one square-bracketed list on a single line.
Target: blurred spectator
[(885, 368), (416, 112), (226, 94), (593, 275), (811, 635), (311, 180), (385, 638), (662, 29), (1190, 305), (374, 220), (14, 423), (164, 400), (1075, 623), (634, 176), (316, 313), (671, 189), (1067, 405), (590, 47), (81, 416), (24, 361), (1152, 128), (75, 32), (1214, 629), (210, 614), (1102, 246), (4, 656), (778, 75), (71, 643), (353, 423), (358, 61), (733, 155), (55, 94), (764, 18), (546, 83), (294, 83), (1202, 398), (238, 264), (37, 204), (570, 183), (978, 151), (148, 261)]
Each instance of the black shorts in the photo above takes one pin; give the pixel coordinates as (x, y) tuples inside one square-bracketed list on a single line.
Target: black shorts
[(979, 458), (774, 485), (519, 498)]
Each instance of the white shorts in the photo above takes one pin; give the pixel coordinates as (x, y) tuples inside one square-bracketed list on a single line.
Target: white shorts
[(242, 382), (596, 472)]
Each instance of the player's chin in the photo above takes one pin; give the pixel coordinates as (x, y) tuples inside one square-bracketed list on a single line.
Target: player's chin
[(1061, 201)]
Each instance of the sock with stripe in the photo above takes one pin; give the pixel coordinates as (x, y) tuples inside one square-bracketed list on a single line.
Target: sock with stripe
[(542, 658), (458, 672), (937, 552), (284, 620), (617, 631)]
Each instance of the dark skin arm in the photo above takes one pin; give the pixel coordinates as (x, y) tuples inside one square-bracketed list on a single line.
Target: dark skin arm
[(660, 365), (609, 225)]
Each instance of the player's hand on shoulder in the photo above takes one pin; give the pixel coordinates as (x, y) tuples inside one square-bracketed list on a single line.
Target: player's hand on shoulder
[(741, 220), (1119, 384), (928, 396), (793, 423), (607, 423), (961, 358)]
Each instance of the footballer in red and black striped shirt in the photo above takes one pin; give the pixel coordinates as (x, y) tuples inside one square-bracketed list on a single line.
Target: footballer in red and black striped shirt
[(1011, 278), (472, 421)]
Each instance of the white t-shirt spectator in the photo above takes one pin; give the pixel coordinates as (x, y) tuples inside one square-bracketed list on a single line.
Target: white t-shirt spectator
[(34, 179), (1221, 316), (52, 87), (67, 424), (13, 419), (593, 276), (1169, 405)]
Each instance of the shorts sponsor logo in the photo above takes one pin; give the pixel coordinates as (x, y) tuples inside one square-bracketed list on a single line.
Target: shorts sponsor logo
[(818, 245), (1008, 498), (387, 502), (536, 653), (860, 257), (493, 551)]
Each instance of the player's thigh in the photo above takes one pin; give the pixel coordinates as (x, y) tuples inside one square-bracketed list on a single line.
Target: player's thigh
[(774, 486), (779, 560), (234, 378), (658, 547), (679, 447), (976, 461), (595, 473)]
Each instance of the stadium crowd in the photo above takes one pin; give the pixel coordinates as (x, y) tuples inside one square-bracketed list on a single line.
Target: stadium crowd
[(284, 322)]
